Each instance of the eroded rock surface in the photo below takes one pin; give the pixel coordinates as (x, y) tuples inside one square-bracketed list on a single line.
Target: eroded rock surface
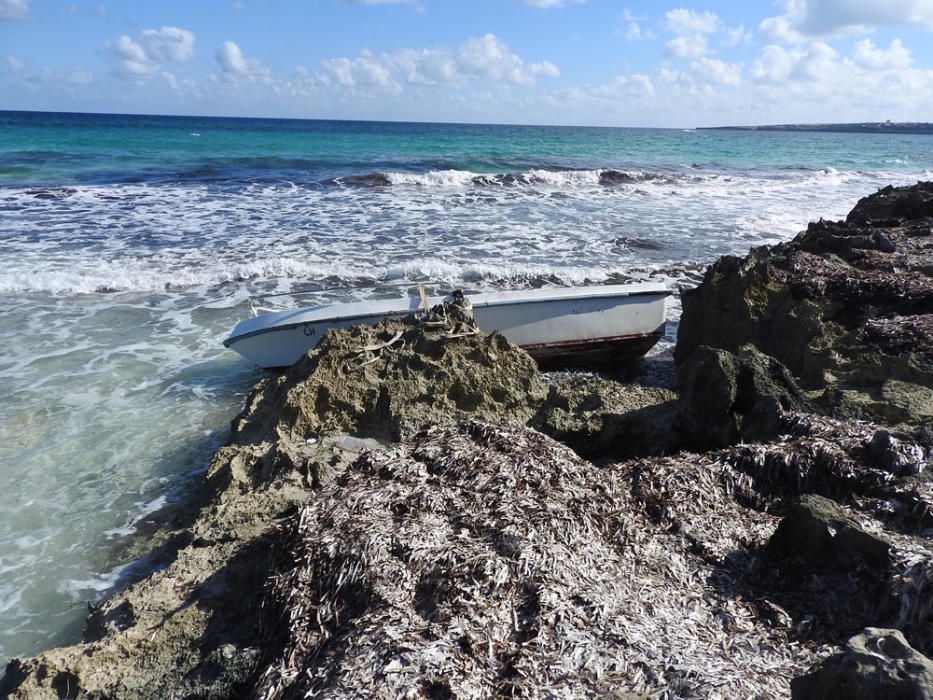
[(847, 307), (726, 397), (602, 419), (878, 663)]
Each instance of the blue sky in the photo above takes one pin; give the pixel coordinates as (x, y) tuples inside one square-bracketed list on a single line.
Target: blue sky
[(593, 62)]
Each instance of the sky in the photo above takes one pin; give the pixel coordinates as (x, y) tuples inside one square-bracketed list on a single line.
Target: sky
[(581, 62)]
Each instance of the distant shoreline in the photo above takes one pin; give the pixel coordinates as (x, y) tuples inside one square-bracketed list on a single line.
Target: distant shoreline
[(858, 128)]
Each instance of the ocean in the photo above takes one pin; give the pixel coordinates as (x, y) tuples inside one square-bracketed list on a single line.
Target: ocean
[(131, 245)]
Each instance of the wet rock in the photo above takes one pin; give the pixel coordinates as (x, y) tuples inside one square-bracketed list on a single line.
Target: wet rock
[(726, 397), (878, 663), (847, 307), (603, 419), (818, 535)]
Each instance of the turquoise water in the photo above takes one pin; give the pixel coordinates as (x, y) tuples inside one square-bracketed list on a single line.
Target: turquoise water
[(54, 149), (132, 245)]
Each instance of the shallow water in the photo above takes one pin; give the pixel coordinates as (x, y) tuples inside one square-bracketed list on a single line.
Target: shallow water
[(131, 246)]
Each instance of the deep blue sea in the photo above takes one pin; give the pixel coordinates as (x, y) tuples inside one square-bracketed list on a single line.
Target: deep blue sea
[(131, 245)]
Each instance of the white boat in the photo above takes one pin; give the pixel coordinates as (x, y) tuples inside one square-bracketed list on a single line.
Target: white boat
[(575, 326)]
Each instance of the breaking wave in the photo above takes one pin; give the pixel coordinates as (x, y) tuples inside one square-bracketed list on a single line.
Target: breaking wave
[(464, 178)]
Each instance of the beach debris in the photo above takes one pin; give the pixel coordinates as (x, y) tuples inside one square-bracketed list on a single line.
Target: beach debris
[(480, 559)]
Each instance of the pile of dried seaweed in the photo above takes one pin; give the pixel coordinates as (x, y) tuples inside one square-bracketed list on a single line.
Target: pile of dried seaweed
[(484, 559)]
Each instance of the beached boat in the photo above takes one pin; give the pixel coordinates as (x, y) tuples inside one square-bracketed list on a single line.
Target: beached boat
[(575, 326)]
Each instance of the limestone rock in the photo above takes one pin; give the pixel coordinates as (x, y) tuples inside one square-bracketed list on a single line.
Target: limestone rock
[(878, 663), (603, 419), (819, 535), (726, 397), (847, 307), (386, 381)]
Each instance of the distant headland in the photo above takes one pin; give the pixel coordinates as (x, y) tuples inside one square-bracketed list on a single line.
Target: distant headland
[(858, 128)]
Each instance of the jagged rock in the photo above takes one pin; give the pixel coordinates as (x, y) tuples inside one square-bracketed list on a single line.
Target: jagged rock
[(726, 397), (819, 535), (892, 204), (417, 375), (878, 663), (847, 307), (603, 419)]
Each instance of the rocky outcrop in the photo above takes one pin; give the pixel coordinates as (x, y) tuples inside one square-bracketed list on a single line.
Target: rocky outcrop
[(385, 382), (847, 307), (728, 397), (817, 534), (602, 419), (878, 663)]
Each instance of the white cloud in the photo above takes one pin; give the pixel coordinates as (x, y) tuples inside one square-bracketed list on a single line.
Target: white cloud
[(737, 35), (143, 58), (817, 64), (692, 29), (14, 9), (870, 56), (641, 85), (235, 67), (364, 71), (481, 59), (638, 86), (781, 29), (489, 58), (633, 30), (426, 66), (549, 3), (774, 64), (545, 69), (14, 64), (827, 18), (168, 45), (687, 46), (132, 60), (80, 78), (817, 83), (683, 21), (711, 70)]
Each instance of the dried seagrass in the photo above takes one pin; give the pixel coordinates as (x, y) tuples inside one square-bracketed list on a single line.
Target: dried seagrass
[(485, 559)]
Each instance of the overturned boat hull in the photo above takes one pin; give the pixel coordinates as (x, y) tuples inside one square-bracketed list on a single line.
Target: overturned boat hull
[(570, 327)]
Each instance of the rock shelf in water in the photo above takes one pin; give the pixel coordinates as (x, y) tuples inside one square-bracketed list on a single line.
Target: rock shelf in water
[(389, 518)]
